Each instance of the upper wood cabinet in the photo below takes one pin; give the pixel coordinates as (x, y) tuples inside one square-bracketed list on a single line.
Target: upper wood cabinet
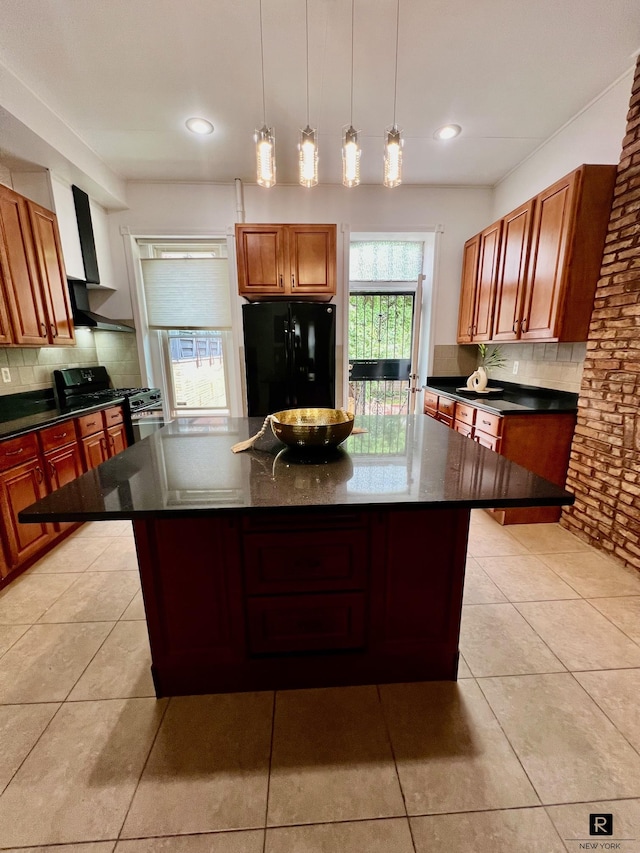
[(468, 290), (293, 261), (549, 261), (477, 295), (34, 293)]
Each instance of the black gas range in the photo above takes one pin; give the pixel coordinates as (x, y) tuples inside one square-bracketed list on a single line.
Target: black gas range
[(81, 387)]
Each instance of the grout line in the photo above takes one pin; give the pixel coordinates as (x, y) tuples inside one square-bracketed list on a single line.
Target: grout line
[(266, 806)]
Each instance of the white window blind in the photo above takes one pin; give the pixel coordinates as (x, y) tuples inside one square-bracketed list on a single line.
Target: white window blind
[(187, 293)]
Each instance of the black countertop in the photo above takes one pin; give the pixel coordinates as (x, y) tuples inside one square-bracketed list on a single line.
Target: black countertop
[(23, 413), (188, 469), (512, 400)]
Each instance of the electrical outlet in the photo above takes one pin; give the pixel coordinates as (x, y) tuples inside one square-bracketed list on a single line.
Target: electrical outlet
[(6, 374), (516, 365)]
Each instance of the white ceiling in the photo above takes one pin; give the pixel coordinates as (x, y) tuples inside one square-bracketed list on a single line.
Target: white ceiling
[(125, 74)]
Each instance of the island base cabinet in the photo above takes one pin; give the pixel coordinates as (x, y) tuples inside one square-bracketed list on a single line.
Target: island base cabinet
[(391, 617)]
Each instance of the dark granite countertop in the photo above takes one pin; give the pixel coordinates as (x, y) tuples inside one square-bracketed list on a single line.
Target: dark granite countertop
[(20, 416), (187, 469), (514, 399)]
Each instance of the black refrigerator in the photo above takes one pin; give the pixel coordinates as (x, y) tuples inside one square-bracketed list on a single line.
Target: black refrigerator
[(289, 350)]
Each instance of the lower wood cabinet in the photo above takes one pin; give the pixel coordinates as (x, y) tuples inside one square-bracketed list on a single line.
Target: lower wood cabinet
[(539, 442), (102, 434)]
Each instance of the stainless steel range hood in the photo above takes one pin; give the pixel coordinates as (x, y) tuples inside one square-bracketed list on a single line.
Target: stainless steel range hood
[(84, 316)]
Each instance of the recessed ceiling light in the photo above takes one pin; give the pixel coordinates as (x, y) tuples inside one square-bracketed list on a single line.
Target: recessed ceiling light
[(199, 125), (447, 132)]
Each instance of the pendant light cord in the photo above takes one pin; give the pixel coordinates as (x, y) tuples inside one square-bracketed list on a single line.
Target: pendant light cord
[(264, 110), (306, 24), (352, 19), (395, 84)]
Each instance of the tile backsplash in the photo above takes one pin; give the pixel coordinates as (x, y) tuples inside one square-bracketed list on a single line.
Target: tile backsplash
[(556, 366), (31, 368)]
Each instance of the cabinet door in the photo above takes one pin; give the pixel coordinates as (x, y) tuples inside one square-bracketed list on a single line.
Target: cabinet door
[(489, 249), (312, 259), (19, 271), (549, 259), (19, 488), (116, 439), (95, 450), (6, 333), (48, 250), (510, 288), (468, 289), (260, 251), (63, 466)]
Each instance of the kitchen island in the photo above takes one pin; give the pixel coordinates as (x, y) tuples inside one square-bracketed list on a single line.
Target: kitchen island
[(264, 569)]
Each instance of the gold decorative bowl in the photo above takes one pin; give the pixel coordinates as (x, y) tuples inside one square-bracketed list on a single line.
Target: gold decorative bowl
[(312, 428)]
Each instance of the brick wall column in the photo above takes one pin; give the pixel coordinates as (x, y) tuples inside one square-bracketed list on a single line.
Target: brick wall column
[(604, 469)]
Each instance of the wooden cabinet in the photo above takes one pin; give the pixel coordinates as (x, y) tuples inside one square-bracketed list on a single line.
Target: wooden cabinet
[(62, 459), (539, 442), (22, 482), (468, 290), (102, 435), (477, 294), (548, 264), (293, 261), (35, 299)]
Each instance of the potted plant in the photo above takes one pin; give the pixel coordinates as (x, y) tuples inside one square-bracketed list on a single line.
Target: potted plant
[(492, 358)]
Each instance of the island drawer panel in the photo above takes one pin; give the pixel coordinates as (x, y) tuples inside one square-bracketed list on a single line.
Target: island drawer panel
[(90, 424), (288, 521), (304, 623), (14, 451), (57, 436), (305, 562)]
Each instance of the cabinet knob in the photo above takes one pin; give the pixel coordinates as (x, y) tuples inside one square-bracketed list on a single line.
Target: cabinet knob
[(43, 329), (281, 285), (14, 452), (293, 280), (515, 327), (39, 474), (54, 331), (523, 324), (52, 468)]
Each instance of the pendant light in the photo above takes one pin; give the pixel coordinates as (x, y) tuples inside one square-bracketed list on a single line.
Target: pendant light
[(308, 145), (264, 138), (350, 143), (393, 141)]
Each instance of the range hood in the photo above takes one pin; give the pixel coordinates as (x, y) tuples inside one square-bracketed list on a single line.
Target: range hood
[(84, 316)]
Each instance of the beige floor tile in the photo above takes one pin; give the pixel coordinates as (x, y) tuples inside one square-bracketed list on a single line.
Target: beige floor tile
[(594, 575), (617, 692), (119, 556), (208, 769), (45, 663), (135, 610), (570, 750), (494, 541), (121, 668), (463, 668), (94, 596), (372, 836), (623, 612), (243, 841), (579, 635), (572, 823), (547, 538), (92, 847), (509, 831), (450, 750), (9, 634), (78, 781), (331, 758), (20, 728), (478, 586), (525, 578), (27, 598), (72, 555), (99, 529), (496, 640)]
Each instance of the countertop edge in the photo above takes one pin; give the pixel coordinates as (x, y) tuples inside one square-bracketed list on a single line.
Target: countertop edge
[(17, 427)]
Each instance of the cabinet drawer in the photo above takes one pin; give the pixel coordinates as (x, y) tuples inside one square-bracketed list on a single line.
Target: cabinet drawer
[(491, 424), (430, 402), (90, 424), (463, 428), (304, 623), (15, 451), (305, 563), (493, 442), (445, 419), (57, 436), (446, 406), (112, 416), (465, 413)]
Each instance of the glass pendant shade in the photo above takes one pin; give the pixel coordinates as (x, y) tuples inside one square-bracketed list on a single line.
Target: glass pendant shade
[(265, 156), (351, 158), (393, 157), (308, 158)]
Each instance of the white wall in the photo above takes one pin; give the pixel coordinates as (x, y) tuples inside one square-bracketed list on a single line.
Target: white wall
[(593, 136)]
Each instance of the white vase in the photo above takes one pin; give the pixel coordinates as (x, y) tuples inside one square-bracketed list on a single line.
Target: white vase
[(478, 380)]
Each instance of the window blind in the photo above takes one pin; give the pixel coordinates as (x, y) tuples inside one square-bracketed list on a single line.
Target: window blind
[(187, 293)]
